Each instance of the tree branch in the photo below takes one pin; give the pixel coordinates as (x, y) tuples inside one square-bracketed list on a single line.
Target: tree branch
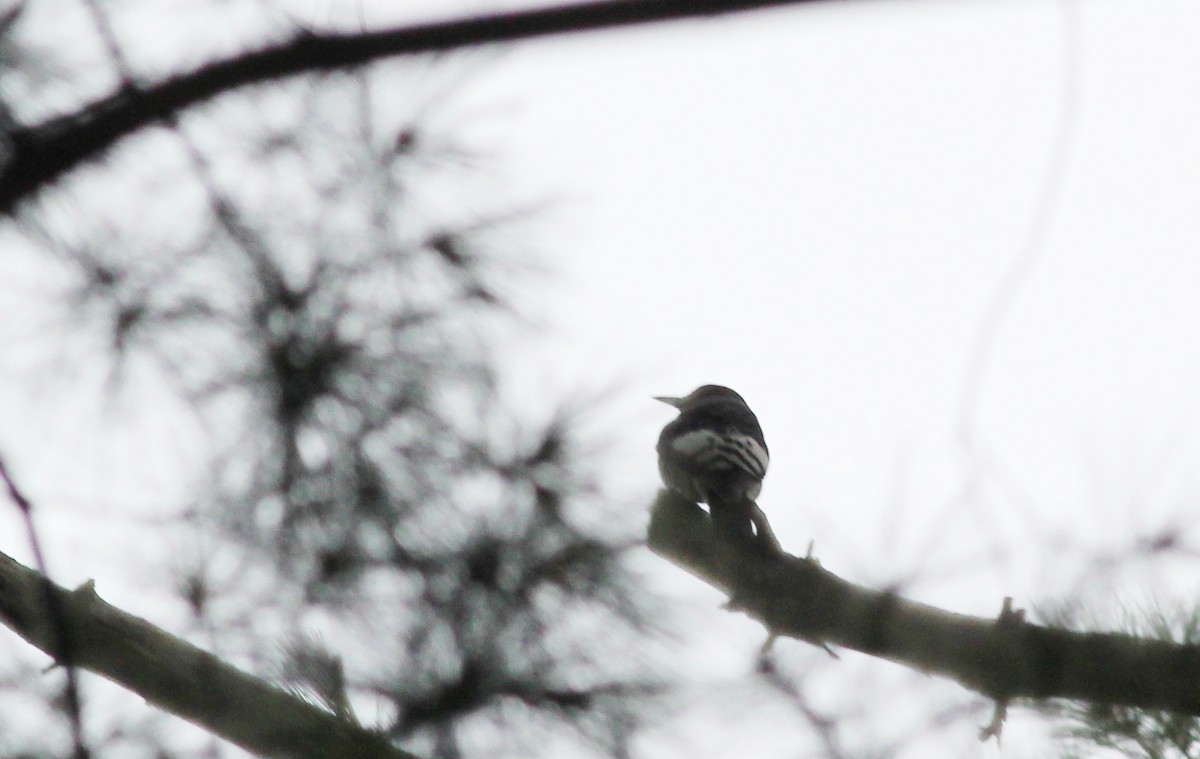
[(42, 153), (1002, 658), (179, 677)]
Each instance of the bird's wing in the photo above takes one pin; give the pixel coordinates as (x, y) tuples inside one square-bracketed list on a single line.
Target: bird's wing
[(723, 450)]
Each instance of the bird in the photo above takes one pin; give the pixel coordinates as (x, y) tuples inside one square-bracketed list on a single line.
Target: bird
[(714, 452)]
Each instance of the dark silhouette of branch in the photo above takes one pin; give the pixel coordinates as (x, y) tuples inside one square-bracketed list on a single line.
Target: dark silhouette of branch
[(39, 154), (1004, 658), (179, 677)]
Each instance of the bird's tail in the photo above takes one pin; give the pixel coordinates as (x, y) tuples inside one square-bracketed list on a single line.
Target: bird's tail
[(740, 521), (731, 518)]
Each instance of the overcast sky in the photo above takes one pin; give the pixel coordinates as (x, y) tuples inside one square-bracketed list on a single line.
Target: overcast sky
[(897, 228), (847, 212), (946, 250)]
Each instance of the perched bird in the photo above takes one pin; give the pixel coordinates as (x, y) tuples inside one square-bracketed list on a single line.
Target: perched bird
[(714, 453)]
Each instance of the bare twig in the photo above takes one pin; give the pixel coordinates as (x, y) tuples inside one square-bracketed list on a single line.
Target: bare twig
[(1033, 244), (62, 647), (42, 153)]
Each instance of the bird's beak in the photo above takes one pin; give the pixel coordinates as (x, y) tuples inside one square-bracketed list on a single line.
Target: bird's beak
[(668, 400)]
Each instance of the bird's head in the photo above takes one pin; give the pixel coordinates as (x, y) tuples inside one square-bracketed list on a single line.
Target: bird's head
[(699, 395)]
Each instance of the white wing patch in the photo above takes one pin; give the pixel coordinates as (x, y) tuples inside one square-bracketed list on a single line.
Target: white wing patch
[(694, 443), (727, 450)]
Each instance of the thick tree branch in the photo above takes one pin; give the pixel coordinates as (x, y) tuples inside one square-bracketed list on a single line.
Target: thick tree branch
[(1002, 658), (179, 677), (42, 153)]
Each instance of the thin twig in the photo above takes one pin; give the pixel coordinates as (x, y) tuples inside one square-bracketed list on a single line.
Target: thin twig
[(42, 153), (55, 612)]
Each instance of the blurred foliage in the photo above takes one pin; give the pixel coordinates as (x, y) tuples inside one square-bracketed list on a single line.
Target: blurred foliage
[(1123, 730), (322, 272)]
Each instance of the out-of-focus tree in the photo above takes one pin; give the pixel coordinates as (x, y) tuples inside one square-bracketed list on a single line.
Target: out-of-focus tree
[(316, 273), (296, 244)]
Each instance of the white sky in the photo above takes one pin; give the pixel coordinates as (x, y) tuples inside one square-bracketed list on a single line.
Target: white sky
[(816, 206)]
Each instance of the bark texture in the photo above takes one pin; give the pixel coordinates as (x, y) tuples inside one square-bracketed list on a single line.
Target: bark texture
[(1003, 658), (177, 676)]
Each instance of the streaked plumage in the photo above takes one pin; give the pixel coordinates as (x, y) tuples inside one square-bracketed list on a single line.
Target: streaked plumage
[(715, 453)]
